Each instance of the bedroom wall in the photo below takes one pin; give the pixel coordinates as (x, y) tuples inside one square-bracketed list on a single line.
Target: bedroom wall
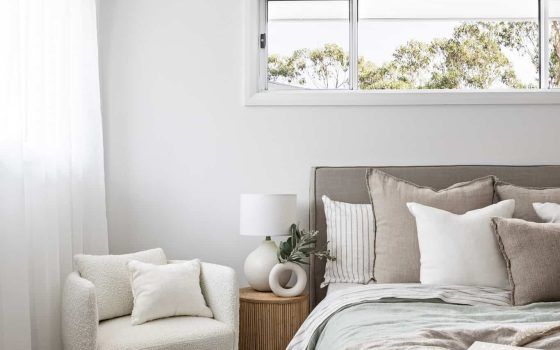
[(180, 146)]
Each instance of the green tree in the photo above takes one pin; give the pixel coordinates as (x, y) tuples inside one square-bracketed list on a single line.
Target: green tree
[(329, 66), (473, 57), (522, 37), (380, 78), (325, 68), (554, 70), (287, 68), (470, 58)]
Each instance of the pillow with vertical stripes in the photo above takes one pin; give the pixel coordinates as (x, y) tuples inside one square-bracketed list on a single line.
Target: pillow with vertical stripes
[(350, 236)]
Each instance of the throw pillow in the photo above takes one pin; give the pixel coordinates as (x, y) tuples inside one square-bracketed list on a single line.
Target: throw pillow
[(350, 235), (548, 212), (461, 249), (397, 257), (166, 290), (109, 275), (531, 253), (525, 197)]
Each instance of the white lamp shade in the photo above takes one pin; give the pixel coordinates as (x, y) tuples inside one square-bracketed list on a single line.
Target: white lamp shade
[(267, 214)]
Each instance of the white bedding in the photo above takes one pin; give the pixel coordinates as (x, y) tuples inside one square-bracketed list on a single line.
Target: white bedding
[(358, 294), (335, 287)]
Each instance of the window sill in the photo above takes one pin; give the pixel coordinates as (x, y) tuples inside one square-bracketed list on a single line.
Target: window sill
[(402, 98)]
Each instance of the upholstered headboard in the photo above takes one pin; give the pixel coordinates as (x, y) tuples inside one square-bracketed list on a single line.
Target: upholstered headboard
[(348, 184)]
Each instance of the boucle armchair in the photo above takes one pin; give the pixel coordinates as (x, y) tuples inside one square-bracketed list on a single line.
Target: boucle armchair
[(81, 329)]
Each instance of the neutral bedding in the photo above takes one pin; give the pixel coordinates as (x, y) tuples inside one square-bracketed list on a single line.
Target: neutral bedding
[(336, 287), (416, 316), (463, 261)]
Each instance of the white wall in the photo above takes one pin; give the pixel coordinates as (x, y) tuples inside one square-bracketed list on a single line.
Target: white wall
[(180, 146)]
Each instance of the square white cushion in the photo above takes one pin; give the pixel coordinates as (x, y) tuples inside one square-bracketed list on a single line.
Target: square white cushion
[(166, 290), (350, 236), (461, 249), (109, 275), (548, 212)]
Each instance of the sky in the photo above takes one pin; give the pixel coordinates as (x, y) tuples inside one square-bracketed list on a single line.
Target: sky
[(385, 25)]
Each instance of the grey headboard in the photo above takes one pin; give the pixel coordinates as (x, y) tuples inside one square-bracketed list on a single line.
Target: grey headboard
[(347, 184)]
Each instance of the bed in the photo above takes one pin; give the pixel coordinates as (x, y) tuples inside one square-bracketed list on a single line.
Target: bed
[(415, 316)]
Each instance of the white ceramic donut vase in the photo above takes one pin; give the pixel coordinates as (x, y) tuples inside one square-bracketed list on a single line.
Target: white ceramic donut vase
[(277, 272)]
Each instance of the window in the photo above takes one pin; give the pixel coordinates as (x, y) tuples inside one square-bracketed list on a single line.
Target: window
[(308, 44), (552, 44), (410, 45)]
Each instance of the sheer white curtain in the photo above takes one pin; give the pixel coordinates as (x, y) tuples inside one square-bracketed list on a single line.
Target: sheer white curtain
[(52, 194)]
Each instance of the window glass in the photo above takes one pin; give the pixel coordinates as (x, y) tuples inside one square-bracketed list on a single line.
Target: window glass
[(438, 44), (308, 44), (554, 42)]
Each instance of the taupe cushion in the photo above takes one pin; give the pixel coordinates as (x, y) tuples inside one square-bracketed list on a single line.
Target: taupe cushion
[(397, 256), (109, 274), (525, 197), (531, 251)]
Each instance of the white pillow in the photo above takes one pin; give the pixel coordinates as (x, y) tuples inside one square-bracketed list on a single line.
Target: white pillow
[(461, 249), (109, 275), (166, 290), (350, 233), (549, 212)]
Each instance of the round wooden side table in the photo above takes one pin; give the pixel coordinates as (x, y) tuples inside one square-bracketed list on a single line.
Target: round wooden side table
[(268, 322)]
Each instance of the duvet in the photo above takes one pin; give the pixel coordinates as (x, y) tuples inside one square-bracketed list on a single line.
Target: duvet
[(416, 316)]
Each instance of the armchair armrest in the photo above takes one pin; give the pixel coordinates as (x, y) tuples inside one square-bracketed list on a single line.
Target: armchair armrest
[(220, 288), (79, 314)]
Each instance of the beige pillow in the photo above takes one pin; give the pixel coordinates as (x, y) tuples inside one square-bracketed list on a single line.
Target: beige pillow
[(525, 197), (166, 291), (397, 256), (532, 259), (109, 275)]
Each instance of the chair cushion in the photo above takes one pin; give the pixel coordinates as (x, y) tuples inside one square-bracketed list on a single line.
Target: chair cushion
[(173, 333)]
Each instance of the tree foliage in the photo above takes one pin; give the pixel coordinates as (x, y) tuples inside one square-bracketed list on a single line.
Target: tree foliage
[(474, 56), (325, 68), (288, 68), (554, 71)]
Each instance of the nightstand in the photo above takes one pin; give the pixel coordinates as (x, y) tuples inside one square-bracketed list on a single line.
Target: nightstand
[(268, 322)]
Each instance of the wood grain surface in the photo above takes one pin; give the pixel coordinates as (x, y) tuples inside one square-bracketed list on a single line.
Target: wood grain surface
[(268, 322)]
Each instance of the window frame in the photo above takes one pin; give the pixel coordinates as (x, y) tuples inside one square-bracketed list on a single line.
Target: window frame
[(256, 75)]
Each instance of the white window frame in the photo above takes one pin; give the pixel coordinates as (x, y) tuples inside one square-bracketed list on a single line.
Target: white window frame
[(256, 64)]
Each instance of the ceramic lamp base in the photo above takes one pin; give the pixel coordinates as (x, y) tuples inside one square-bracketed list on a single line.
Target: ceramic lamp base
[(259, 263)]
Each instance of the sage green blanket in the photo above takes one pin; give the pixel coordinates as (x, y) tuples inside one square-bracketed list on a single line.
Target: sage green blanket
[(415, 316), (435, 325)]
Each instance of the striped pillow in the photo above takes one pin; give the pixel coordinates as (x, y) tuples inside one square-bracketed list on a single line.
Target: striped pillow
[(350, 233)]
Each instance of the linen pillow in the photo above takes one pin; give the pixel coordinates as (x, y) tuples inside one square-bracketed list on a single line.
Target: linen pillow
[(531, 253), (525, 197), (461, 249), (109, 275), (166, 290), (397, 258), (350, 233), (548, 212)]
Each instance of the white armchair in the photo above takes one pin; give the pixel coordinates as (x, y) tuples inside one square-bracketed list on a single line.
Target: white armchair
[(81, 329)]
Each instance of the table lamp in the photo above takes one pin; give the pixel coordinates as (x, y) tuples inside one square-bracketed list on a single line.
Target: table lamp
[(265, 215)]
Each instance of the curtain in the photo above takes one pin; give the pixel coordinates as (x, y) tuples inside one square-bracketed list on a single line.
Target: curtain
[(52, 194)]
